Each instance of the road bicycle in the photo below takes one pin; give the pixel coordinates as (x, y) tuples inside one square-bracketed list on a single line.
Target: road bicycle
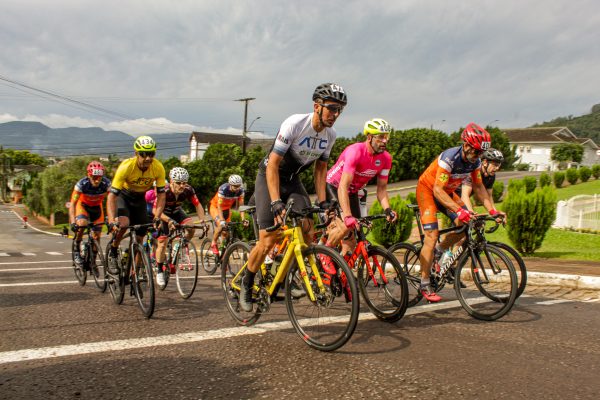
[(134, 270), (92, 256), (485, 280), (182, 260), (323, 315), (210, 261)]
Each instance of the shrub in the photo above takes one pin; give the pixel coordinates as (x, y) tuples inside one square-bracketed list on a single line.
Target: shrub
[(388, 234), (584, 174), (515, 185), (530, 183), (596, 171), (522, 167), (246, 234), (572, 175), (530, 217), (411, 198), (559, 178), (497, 191), (545, 179)]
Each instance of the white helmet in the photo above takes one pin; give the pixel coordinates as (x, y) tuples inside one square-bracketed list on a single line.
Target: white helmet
[(179, 174), (235, 180)]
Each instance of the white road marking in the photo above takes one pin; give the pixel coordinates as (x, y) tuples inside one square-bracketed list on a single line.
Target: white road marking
[(28, 254), (33, 269), (74, 281), (34, 262), (551, 302), (54, 253), (4, 255)]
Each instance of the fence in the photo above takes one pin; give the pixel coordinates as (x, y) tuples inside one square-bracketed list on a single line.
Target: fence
[(579, 212)]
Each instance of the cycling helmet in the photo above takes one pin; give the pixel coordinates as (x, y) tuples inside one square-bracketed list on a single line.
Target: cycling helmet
[(493, 155), (476, 137), (377, 126), (235, 180), (95, 168), (330, 91), (144, 143), (179, 174)]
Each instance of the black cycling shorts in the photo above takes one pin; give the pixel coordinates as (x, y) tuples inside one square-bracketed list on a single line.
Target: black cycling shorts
[(133, 206), (331, 193), (178, 216), (287, 190)]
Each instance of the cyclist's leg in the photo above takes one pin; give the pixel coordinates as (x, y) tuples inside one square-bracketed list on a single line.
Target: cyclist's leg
[(81, 219), (349, 241), (428, 209), (452, 238), (214, 213), (161, 243)]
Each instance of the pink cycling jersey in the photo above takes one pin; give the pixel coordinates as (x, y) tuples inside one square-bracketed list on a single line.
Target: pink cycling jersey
[(363, 165)]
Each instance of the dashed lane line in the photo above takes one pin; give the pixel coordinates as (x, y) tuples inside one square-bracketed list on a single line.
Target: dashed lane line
[(35, 262), (74, 281), (552, 302)]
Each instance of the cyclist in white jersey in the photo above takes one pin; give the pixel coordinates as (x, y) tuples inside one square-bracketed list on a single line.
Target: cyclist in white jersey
[(303, 139)]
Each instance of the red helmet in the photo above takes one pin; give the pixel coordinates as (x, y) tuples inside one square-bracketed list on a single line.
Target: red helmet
[(95, 168), (476, 137)]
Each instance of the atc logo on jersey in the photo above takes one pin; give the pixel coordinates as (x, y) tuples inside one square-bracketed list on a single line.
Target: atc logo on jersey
[(311, 144)]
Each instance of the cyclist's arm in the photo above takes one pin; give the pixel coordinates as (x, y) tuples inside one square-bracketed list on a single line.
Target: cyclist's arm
[(321, 179), (482, 194), (273, 175), (160, 203), (220, 210), (439, 192), (382, 194), (343, 198), (465, 195), (74, 199), (111, 206)]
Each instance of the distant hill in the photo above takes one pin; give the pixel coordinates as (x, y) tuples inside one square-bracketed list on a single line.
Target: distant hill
[(45, 141), (585, 126)]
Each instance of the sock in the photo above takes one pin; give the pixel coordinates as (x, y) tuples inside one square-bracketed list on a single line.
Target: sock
[(424, 282), (248, 279)]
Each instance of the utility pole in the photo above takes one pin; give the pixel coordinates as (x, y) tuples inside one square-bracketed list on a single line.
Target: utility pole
[(245, 100)]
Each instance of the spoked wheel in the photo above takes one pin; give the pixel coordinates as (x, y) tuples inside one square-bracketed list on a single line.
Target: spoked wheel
[(408, 257), (80, 272), (116, 283), (383, 284), (209, 260), (186, 269), (97, 262), (490, 283), (328, 322), (143, 280), (232, 270), (514, 256)]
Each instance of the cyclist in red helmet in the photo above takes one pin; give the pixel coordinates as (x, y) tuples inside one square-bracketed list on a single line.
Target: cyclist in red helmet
[(436, 193), (86, 203)]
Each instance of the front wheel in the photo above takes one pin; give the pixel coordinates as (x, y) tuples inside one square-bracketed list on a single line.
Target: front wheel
[(78, 269), (514, 256), (186, 269), (116, 283), (208, 259), (97, 262), (408, 256), (327, 322), (383, 284), (143, 280)]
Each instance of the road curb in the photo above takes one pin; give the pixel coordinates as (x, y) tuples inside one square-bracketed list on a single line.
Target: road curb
[(580, 282)]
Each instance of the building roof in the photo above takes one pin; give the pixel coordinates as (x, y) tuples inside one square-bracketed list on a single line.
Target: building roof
[(227, 138), (556, 134)]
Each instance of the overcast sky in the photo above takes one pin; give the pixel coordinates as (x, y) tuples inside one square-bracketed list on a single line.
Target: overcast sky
[(163, 66)]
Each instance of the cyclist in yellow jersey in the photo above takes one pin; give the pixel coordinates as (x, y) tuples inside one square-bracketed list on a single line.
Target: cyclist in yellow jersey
[(126, 203)]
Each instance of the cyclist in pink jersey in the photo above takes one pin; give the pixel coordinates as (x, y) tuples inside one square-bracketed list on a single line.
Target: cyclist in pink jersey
[(356, 166)]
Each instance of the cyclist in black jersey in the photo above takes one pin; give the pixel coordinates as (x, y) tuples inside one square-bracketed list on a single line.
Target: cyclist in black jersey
[(303, 139), (491, 160)]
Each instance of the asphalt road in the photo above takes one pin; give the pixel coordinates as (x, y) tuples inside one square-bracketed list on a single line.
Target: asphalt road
[(61, 340)]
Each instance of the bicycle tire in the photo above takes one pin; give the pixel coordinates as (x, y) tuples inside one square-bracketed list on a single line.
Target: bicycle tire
[(97, 265), (521, 270), (116, 285), (143, 280), (407, 255), (79, 270), (483, 278), (234, 260), (387, 301), (209, 261), (329, 322), (186, 269)]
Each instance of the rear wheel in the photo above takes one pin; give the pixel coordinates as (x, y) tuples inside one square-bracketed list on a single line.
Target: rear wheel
[(78, 269), (186, 269), (208, 259), (97, 263), (116, 283), (408, 257), (143, 280), (327, 323), (383, 284)]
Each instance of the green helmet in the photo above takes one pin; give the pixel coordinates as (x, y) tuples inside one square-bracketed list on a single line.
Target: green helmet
[(377, 126), (144, 143)]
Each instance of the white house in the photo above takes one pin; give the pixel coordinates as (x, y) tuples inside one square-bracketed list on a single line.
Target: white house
[(534, 146)]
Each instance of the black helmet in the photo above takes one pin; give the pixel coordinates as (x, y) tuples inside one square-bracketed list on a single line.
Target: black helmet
[(493, 155), (330, 91)]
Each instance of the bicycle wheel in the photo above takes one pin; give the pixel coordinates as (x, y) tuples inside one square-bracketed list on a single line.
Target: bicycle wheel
[(79, 270), (491, 274), (209, 260), (116, 284), (143, 280), (514, 256), (408, 257), (234, 260), (186, 269), (97, 262), (327, 323), (383, 285)]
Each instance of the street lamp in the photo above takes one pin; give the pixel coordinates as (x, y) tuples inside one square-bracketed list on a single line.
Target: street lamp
[(491, 122), (253, 121)]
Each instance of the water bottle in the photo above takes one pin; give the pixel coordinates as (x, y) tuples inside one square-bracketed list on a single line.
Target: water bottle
[(175, 249), (445, 257), (82, 250), (124, 257)]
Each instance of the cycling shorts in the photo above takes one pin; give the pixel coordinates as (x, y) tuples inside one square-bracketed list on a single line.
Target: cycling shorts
[(90, 213), (292, 189), (214, 213), (429, 206), (332, 194), (178, 216), (133, 207)]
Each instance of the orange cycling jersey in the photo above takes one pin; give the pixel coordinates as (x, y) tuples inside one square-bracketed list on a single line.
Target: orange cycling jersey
[(449, 170), (226, 197), (85, 193)]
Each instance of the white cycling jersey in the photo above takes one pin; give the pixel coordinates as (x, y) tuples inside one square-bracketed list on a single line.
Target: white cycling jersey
[(299, 145)]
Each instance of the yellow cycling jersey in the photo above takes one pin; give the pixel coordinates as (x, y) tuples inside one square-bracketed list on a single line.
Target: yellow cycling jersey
[(129, 177)]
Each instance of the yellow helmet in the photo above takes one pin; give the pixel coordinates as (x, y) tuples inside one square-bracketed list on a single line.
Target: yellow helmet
[(144, 143)]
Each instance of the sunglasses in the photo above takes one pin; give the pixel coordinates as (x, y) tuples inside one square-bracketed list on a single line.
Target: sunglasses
[(334, 108), (145, 154), (382, 136), (178, 183), (96, 177), (474, 150)]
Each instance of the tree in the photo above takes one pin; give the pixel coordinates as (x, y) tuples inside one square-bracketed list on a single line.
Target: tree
[(23, 157), (567, 152), (171, 163)]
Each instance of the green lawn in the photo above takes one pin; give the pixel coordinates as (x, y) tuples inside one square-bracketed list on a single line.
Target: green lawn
[(590, 187)]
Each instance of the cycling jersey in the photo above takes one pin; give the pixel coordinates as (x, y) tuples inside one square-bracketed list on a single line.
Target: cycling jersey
[(226, 197), (361, 164), (299, 145), (173, 202), (129, 177), (89, 195), (487, 180), (449, 170)]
